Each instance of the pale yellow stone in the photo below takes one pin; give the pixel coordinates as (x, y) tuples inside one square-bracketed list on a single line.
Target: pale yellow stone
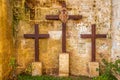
[(93, 66), (36, 69), (64, 64)]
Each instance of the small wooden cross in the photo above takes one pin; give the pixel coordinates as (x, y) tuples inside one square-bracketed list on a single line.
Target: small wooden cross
[(93, 37), (36, 36), (64, 17)]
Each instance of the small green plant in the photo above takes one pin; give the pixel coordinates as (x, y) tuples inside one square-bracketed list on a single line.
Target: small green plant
[(45, 77), (28, 70), (13, 65), (116, 69), (109, 70)]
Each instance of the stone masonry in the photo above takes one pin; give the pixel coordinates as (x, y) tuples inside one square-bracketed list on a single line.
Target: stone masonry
[(104, 13), (93, 11)]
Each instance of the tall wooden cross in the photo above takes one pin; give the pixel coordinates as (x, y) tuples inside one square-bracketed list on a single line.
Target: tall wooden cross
[(36, 36), (64, 17), (93, 37)]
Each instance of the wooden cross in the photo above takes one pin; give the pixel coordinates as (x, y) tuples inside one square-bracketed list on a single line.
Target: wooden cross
[(93, 37), (36, 36), (64, 17)]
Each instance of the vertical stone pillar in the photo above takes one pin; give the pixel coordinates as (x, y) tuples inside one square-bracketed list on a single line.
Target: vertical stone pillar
[(64, 64), (36, 69), (116, 29), (6, 38)]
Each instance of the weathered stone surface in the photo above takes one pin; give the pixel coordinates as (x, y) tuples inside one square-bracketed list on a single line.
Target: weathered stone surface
[(116, 30), (6, 39), (79, 49), (36, 69), (55, 34), (25, 54), (93, 69), (64, 64), (98, 11)]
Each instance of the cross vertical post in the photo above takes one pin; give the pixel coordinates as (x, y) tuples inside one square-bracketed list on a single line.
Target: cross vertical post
[(64, 37), (36, 43), (93, 42)]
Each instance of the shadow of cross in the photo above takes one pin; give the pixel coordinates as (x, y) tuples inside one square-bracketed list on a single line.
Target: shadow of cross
[(64, 17), (36, 36), (93, 37)]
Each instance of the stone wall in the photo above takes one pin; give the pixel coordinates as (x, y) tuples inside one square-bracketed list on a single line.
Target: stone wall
[(93, 11), (116, 29), (6, 38)]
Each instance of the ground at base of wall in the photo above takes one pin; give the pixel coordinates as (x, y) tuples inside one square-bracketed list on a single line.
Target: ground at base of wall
[(29, 77)]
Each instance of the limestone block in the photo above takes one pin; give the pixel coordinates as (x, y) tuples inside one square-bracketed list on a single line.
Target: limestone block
[(83, 49), (115, 2), (93, 66), (19, 70), (83, 29), (18, 3), (36, 69), (55, 34), (117, 12), (44, 3), (37, 13), (64, 64)]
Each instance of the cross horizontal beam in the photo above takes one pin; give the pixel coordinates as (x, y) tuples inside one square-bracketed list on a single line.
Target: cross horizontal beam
[(75, 17), (56, 17), (52, 17), (96, 36), (33, 36)]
